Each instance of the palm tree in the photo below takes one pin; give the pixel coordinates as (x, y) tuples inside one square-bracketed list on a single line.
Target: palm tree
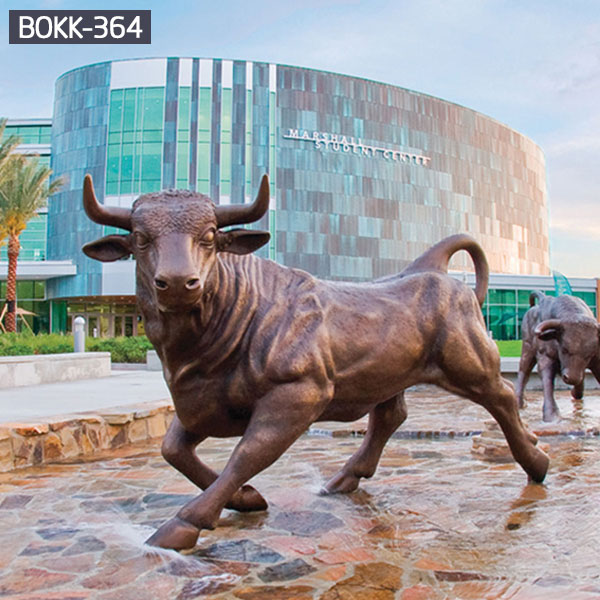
[(7, 145), (24, 189)]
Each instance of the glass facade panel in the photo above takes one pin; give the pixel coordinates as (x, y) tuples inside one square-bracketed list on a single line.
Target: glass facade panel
[(134, 152), (204, 120), (225, 162), (502, 297), (31, 297), (589, 298), (30, 134), (502, 322), (33, 240)]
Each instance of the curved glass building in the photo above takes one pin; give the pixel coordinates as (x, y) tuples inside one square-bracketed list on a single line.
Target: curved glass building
[(364, 175)]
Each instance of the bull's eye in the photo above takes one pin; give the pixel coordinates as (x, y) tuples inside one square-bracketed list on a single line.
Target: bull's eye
[(142, 241), (208, 237)]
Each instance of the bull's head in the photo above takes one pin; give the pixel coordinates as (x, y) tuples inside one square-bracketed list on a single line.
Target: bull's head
[(175, 236), (577, 342)]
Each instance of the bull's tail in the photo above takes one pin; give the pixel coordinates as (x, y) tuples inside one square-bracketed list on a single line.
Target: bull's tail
[(536, 295), (438, 257)]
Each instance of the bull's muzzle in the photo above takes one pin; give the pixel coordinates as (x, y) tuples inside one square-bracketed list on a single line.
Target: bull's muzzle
[(184, 283), (177, 290)]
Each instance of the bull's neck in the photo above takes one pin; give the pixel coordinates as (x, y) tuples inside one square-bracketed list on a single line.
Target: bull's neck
[(213, 333)]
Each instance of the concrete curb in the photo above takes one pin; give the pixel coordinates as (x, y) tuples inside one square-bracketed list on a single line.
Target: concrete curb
[(39, 369)]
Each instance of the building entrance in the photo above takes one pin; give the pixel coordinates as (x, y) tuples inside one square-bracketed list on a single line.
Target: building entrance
[(107, 320)]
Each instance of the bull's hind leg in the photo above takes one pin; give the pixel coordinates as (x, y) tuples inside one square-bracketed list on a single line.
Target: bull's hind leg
[(547, 370), (179, 450), (472, 369), (384, 419), (499, 400), (526, 364)]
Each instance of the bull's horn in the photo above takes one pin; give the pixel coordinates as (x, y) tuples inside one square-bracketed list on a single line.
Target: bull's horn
[(238, 214), (114, 216), (549, 324)]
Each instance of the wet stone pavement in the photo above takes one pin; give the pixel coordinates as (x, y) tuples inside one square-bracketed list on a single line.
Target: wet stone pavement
[(434, 522)]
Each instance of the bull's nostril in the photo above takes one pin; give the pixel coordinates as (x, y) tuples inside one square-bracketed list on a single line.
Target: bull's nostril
[(161, 284), (193, 283)]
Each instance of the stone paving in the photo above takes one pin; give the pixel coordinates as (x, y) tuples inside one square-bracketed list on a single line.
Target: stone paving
[(434, 522)]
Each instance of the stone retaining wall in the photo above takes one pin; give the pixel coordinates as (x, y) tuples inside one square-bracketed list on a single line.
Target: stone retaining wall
[(17, 371), (70, 436)]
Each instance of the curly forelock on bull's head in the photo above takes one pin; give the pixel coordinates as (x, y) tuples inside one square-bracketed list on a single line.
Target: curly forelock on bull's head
[(174, 210)]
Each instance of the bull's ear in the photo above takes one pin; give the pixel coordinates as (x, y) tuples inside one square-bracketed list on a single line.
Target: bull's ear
[(241, 241), (109, 248)]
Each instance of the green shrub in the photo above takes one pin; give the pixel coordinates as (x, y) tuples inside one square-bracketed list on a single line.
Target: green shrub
[(122, 349), (18, 344)]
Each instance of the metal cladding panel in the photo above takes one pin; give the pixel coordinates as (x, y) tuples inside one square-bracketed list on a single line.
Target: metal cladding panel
[(260, 135), (215, 133), (371, 175), (79, 136), (170, 123), (238, 134), (193, 163)]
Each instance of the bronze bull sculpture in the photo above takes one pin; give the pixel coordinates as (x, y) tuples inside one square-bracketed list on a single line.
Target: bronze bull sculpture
[(562, 336), (254, 349)]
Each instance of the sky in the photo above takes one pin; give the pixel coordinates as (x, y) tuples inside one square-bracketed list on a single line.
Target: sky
[(533, 65)]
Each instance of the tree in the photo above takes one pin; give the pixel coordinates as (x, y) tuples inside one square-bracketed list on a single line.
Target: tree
[(24, 189), (7, 146)]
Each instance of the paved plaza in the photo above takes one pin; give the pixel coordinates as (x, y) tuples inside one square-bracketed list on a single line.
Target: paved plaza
[(434, 522)]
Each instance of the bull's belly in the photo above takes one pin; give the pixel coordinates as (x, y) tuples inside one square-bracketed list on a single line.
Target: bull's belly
[(374, 381), (339, 411), (353, 402)]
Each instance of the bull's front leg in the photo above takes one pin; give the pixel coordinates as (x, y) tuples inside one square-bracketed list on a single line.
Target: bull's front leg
[(277, 421), (384, 419), (577, 389), (594, 367), (179, 450), (547, 372)]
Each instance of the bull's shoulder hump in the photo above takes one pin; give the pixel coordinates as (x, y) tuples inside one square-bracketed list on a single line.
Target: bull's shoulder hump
[(564, 307)]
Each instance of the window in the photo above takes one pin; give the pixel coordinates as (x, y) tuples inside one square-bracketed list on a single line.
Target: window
[(135, 133)]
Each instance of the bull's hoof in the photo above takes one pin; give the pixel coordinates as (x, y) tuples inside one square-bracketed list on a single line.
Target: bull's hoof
[(175, 534), (247, 499), (550, 416), (538, 468), (341, 483)]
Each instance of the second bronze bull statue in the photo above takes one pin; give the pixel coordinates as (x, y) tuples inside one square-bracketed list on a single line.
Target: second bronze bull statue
[(254, 349)]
